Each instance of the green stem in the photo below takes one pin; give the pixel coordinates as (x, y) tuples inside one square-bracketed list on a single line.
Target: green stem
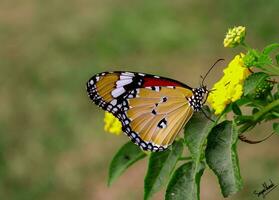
[(245, 128), (265, 110), (245, 46), (257, 117), (185, 158)]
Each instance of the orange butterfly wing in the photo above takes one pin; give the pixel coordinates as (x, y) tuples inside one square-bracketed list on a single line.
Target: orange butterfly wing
[(158, 116), (151, 116)]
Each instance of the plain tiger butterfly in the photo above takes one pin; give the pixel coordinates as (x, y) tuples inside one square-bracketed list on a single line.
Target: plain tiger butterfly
[(152, 109)]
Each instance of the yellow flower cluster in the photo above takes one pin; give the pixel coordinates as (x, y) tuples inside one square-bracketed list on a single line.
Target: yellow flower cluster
[(234, 36), (230, 87), (112, 124)]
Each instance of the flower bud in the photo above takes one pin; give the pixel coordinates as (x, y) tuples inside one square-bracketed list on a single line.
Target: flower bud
[(234, 36)]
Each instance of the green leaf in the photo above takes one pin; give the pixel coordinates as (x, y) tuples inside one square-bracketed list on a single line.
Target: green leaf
[(160, 167), (253, 81), (196, 132), (221, 157), (195, 135), (268, 49), (276, 127), (240, 102), (128, 154), (185, 182), (236, 109), (263, 60), (242, 119)]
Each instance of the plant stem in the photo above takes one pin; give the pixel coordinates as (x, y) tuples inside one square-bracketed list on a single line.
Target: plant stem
[(265, 110), (257, 116), (185, 158), (245, 46)]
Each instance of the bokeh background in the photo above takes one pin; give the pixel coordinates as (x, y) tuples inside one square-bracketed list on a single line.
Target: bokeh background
[(52, 142)]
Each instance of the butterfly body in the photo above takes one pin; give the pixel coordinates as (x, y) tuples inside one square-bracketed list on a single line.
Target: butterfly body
[(152, 109)]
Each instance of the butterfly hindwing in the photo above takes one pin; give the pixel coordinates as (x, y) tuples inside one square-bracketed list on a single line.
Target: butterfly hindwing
[(157, 117), (152, 110)]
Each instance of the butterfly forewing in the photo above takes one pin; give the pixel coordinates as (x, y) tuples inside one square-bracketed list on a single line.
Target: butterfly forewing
[(152, 110)]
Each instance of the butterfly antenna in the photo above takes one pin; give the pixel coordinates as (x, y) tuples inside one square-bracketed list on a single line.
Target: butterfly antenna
[(221, 59), (201, 80), (211, 90), (207, 116)]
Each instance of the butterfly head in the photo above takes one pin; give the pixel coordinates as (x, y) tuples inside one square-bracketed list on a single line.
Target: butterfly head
[(200, 94), (198, 99)]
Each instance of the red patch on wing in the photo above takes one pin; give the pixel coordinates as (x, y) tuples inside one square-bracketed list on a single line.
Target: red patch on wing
[(149, 82)]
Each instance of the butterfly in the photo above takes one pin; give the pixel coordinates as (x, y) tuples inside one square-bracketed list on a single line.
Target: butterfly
[(151, 109)]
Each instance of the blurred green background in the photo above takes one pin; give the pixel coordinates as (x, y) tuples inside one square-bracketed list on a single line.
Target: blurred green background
[(52, 142)]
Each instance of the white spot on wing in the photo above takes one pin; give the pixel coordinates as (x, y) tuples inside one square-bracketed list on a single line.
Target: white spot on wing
[(123, 77), (113, 102), (123, 82), (128, 74), (117, 92), (109, 107), (143, 145), (164, 125)]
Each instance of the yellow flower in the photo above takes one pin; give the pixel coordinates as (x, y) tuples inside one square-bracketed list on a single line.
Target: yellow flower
[(112, 124), (230, 87), (234, 36)]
